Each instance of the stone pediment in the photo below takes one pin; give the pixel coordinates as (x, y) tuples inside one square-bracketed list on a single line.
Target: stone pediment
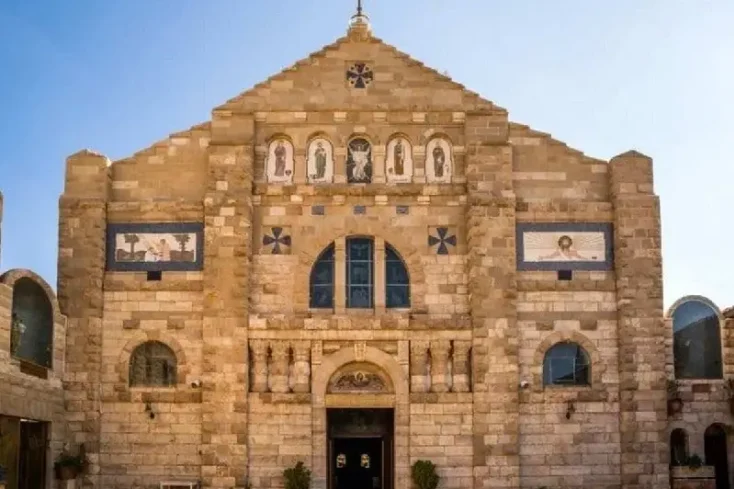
[(330, 79)]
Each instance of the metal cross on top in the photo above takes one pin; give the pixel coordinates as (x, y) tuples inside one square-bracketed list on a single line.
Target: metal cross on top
[(359, 8)]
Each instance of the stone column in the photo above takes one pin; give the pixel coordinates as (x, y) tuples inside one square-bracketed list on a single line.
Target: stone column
[(81, 269), (638, 269), (259, 365), (460, 366), (227, 251), (440, 365), (491, 266), (419, 380), (301, 366), (280, 352)]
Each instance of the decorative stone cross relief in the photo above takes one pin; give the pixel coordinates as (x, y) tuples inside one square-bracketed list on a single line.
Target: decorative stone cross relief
[(442, 239), (277, 241), (359, 75)]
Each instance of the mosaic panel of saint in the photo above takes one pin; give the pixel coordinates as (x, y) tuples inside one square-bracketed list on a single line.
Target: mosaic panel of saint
[(279, 161), (399, 160), (439, 161), (359, 161), (320, 161)]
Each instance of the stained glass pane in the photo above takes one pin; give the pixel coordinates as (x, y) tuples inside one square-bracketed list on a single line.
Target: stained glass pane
[(360, 273), (322, 281), (397, 281)]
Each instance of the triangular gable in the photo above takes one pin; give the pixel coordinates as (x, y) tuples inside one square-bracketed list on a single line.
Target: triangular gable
[(318, 82)]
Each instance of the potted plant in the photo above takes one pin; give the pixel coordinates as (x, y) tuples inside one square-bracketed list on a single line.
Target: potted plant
[(298, 477), (675, 403), (424, 475), (68, 466)]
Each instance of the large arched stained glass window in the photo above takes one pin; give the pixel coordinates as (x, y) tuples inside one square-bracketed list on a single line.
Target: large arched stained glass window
[(153, 364), (696, 341), (322, 280), (359, 279), (566, 364), (397, 281)]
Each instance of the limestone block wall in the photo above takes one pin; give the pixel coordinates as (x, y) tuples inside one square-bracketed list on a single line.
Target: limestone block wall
[(27, 396)]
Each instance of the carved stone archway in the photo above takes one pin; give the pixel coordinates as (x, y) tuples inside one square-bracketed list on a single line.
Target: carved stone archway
[(350, 361)]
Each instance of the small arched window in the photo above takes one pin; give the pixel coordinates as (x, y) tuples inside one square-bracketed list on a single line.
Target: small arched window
[(566, 364), (696, 341), (153, 364), (32, 323), (322, 280), (678, 447)]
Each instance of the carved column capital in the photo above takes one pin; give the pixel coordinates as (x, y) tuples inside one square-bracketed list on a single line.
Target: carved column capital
[(259, 366), (280, 357), (301, 366), (419, 380), (460, 366), (440, 365)]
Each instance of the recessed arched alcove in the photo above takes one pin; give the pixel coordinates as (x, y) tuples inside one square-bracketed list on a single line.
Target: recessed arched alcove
[(32, 323)]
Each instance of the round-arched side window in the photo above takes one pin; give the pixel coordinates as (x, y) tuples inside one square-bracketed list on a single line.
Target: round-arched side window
[(566, 364), (696, 341)]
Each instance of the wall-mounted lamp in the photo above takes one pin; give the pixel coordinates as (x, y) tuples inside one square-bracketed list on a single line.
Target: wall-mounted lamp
[(570, 409)]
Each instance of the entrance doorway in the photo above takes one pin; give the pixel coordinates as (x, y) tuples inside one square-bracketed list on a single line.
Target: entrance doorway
[(23, 445), (716, 454), (360, 448)]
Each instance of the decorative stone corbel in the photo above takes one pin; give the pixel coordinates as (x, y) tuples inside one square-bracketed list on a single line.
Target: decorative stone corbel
[(259, 366), (279, 363), (440, 365), (301, 366), (460, 366), (419, 380)]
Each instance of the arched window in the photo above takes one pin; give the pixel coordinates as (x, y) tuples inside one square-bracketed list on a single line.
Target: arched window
[(153, 364), (566, 364), (359, 279), (397, 281), (32, 323), (678, 447), (322, 280), (696, 341)]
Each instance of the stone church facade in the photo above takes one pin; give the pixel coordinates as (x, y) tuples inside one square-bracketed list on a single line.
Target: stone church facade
[(360, 257)]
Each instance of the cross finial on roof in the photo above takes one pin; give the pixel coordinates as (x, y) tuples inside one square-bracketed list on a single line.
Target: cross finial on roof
[(360, 19)]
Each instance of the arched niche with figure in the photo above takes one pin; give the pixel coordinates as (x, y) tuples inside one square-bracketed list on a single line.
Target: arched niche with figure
[(279, 162), (320, 160), (359, 160), (399, 160), (439, 160), (32, 323)]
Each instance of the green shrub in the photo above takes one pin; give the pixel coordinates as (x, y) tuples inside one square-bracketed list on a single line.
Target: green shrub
[(424, 475), (695, 462), (298, 477)]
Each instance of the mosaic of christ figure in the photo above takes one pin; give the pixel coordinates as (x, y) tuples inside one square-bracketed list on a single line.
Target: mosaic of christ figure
[(359, 162)]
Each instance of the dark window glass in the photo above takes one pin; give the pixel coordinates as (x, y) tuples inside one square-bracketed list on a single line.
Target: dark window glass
[(153, 364), (31, 323), (566, 364), (397, 282), (696, 342), (322, 280), (360, 273), (678, 447)]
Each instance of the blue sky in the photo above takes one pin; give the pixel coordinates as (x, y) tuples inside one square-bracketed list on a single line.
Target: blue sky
[(604, 77)]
